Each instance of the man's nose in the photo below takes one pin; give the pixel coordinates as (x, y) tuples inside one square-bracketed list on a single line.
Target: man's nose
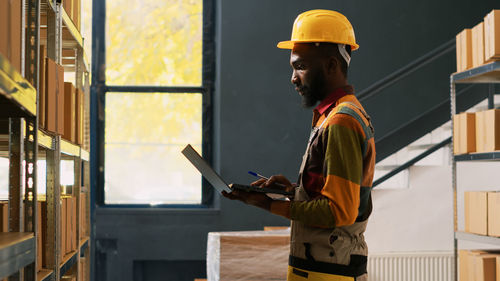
[(295, 79)]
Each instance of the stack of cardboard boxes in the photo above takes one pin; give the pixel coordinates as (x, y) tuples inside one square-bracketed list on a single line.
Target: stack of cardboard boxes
[(476, 132), (482, 216), (60, 103), (479, 45)]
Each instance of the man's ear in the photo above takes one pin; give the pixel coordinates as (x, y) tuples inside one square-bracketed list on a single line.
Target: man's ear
[(332, 65)]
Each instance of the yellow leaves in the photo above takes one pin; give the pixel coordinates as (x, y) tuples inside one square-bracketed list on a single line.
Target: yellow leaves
[(154, 42)]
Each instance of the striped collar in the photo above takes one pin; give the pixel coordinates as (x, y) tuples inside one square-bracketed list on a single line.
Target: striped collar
[(333, 97)]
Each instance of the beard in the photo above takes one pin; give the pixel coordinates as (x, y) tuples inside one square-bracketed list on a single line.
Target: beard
[(314, 92)]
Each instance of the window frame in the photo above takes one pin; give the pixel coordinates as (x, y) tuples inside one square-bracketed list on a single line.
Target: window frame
[(99, 88)]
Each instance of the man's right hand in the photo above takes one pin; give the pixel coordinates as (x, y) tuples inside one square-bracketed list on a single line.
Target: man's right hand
[(276, 182)]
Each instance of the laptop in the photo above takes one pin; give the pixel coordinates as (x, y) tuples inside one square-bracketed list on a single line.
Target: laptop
[(215, 179)]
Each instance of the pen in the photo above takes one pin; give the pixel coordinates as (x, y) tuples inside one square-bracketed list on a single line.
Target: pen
[(263, 177), (257, 175)]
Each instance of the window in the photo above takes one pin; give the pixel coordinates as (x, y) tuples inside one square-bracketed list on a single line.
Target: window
[(156, 87)]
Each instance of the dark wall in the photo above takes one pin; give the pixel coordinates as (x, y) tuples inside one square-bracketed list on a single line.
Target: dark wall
[(260, 125)]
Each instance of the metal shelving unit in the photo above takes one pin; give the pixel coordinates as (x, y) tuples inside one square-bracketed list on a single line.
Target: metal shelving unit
[(22, 141), (486, 74)]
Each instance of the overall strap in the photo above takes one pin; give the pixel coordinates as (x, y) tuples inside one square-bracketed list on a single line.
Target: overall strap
[(367, 129)]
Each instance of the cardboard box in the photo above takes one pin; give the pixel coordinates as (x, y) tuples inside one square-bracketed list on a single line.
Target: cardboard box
[(50, 95), (464, 50), (68, 7), (69, 220), (4, 216), (83, 215), (74, 230), (10, 31), (466, 131), (498, 268), (44, 213), (64, 212), (76, 15), (488, 130), (476, 212), (60, 99), (463, 265), (69, 112), (483, 267), (264, 254), (456, 134), (41, 87), (492, 36), (494, 214), (79, 117), (478, 45)]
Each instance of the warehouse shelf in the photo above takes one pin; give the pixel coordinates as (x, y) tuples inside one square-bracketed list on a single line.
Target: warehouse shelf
[(68, 261), (69, 148), (45, 140), (85, 155), (488, 73), (72, 38), (477, 238), (84, 244), (17, 95), (45, 275), (488, 156), (17, 250)]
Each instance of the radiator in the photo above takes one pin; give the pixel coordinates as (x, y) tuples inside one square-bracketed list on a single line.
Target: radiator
[(417, 266)]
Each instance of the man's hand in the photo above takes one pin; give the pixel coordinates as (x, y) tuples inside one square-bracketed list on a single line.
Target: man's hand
[(276, 182), (252, 198)]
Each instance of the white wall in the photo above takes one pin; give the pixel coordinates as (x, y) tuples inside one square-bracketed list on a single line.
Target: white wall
[(420, 218)]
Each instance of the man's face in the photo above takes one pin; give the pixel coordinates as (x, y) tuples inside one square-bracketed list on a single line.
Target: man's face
[(308, 74)]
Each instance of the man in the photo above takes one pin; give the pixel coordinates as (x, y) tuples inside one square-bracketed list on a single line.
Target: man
[(332, 201)]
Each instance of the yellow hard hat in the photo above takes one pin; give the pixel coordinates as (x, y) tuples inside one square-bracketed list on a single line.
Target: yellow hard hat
[(321, 26)]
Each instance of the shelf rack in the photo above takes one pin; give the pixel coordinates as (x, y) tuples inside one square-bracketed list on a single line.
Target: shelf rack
[(22, 141), (485, 74)]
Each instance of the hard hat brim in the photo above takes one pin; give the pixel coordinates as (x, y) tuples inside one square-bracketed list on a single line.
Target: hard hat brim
[(289, 44)]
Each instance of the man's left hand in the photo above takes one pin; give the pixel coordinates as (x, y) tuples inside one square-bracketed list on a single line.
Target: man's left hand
[(251, 198)]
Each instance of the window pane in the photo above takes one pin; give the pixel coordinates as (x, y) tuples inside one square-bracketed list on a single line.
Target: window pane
[(152, 42), (144, 136)]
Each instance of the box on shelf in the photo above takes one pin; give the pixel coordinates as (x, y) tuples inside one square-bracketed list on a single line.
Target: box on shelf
[(41, 87), (264, 254), (488, 130), (68, 7), (74, 243), (64, 213), (478, 45), (76, 15), (492, 36), (69, 213), (498, 268), (60, 99), (494, 213), (54, 97), (464, 50), (44, 213), (11, 32), (465, 133), (476, 212), (79, 117), (69, 112), (83, 215), (4, 216)]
